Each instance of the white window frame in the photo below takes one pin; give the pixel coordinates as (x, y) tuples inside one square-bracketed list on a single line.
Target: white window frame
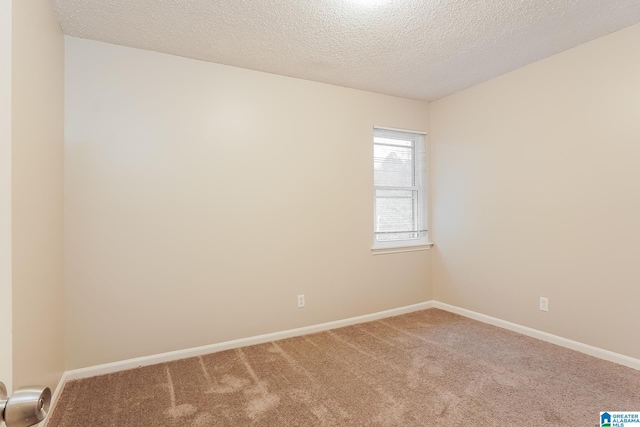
[(420, 241)]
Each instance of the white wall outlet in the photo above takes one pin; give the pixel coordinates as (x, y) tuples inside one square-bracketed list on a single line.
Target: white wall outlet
[(300, 301), (544, 304)]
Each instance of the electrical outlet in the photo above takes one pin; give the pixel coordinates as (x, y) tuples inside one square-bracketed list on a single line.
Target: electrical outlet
[(544, 304), (300, 301)]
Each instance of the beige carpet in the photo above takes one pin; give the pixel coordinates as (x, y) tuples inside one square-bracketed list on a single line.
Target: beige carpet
[(429, 368)]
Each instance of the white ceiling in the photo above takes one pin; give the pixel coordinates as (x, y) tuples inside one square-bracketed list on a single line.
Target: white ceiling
[(421, 49)]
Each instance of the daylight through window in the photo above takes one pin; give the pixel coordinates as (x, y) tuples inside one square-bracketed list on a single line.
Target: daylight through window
[(400, 189)]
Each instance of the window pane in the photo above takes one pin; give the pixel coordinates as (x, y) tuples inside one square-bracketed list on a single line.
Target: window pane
[(393, 166), (381, 140), (395, 214), (400, 183), (397, 236), (395, 193)]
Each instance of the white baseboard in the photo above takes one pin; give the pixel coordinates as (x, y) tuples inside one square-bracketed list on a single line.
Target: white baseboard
[(213, 348), (544, 336), (199, 351), (124, 365), (54, 398)]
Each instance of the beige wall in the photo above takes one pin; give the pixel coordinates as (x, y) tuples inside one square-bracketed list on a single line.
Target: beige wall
[(5, 193), (536, 190), (201, 199), (37, 193)]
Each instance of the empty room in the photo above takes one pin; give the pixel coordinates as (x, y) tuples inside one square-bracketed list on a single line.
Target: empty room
[(319, 213)]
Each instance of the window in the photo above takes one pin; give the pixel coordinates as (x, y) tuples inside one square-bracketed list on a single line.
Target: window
[(400, 189)]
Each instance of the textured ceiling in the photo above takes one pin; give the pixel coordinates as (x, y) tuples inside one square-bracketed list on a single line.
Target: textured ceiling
[(421, 49)]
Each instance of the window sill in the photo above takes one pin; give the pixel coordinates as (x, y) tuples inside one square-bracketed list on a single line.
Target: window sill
[(382, 251)]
